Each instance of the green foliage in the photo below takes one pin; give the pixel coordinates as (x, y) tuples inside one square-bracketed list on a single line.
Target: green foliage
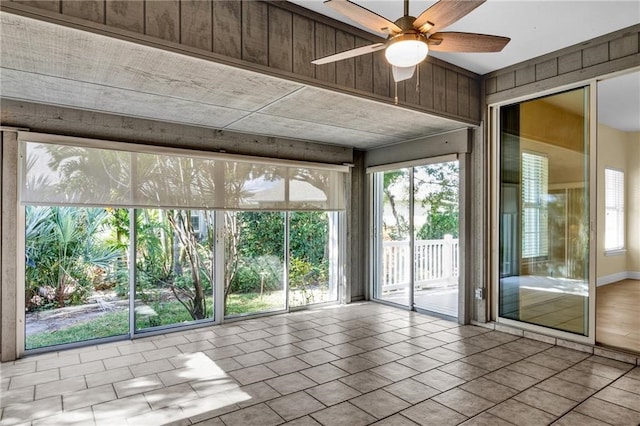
[(261, 249), (261, 234), (173, 260), (118, 223), (153, 254), (438, 225), (307, 281), (254, 274), (440, 197), (304, 274), (170, 257), (391, 181), (299, 272), (308, 236), (435, 189), (63, 245)]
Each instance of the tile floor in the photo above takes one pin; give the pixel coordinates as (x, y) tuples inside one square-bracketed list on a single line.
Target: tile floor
[(349, 365)]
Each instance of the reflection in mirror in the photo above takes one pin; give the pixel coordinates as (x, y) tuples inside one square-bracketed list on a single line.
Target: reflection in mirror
[(544, 211)]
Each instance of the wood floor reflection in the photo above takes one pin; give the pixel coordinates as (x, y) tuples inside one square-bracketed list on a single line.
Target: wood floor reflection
[(618, 315)]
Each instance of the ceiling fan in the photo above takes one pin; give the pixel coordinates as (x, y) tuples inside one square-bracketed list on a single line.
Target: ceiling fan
[(409, 39)]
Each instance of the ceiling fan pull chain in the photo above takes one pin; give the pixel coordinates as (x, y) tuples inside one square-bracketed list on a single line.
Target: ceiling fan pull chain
[(395, 83), (418, 78)]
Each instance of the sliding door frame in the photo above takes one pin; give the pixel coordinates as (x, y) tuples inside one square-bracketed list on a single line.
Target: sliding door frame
[(494, 212), (464, 178)]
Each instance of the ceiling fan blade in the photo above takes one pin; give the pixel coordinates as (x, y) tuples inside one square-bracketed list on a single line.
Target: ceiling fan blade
[(350, 53), (444, 13), (364, 16), (466, 42), (402, 73)]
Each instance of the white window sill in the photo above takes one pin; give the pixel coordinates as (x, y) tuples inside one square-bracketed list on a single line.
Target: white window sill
[(616, 252)]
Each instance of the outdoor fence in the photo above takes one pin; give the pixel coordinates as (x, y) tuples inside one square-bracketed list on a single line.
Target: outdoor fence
[(435, 263)]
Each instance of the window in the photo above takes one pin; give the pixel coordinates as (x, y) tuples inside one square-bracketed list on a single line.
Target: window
[(535, 182), (146, 239), (614, 209)]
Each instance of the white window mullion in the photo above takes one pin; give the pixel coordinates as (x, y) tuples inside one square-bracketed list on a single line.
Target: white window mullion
[(535, 186), (614, 209)]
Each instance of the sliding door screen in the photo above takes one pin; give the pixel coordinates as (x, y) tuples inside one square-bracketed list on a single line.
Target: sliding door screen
[(544, 211)]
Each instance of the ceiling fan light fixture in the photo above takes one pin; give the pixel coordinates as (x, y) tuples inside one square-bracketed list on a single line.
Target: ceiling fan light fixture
[(407, 50)]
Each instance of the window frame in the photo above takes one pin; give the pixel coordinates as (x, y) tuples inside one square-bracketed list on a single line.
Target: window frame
[(495, 104), (337, 205), (618, 209), (540, 209)]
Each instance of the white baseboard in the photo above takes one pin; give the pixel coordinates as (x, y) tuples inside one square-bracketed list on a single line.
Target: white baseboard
[(614, 278)]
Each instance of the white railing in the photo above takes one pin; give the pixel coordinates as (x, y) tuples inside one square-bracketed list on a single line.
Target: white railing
[(435, 263)]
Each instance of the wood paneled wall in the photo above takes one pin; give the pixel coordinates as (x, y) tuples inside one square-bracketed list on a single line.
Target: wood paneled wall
[(611, 53), (284, 38)]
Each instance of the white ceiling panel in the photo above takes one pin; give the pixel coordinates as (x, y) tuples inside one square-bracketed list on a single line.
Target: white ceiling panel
[(47, 63), (40, 88), (273, 125), (44, 48), (334, 109)]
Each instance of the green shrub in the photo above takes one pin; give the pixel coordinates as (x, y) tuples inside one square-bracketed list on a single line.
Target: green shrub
[(303, 273), (254, 273)]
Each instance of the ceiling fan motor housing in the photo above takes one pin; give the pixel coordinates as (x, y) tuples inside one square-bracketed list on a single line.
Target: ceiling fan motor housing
[(407, 49), (405, 23)]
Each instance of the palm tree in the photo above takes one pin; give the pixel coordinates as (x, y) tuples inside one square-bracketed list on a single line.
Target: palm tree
[(63, 244)]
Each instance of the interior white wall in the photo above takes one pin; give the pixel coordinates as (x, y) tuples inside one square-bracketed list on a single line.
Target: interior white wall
[(633, 205), (619, 150)]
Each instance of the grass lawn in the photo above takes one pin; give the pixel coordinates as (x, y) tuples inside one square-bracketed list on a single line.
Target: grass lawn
[(169, 313), (107, 325)]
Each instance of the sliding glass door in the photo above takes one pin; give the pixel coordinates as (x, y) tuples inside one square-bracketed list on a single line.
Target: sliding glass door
[(174, 267), (122, 242), (76, 274), (313, 257), (254, 262), (436, 231), (392, 233), (544, 211), (416, 236)]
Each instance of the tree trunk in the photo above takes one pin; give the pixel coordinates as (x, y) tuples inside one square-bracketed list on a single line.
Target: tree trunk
[(392, 202)]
